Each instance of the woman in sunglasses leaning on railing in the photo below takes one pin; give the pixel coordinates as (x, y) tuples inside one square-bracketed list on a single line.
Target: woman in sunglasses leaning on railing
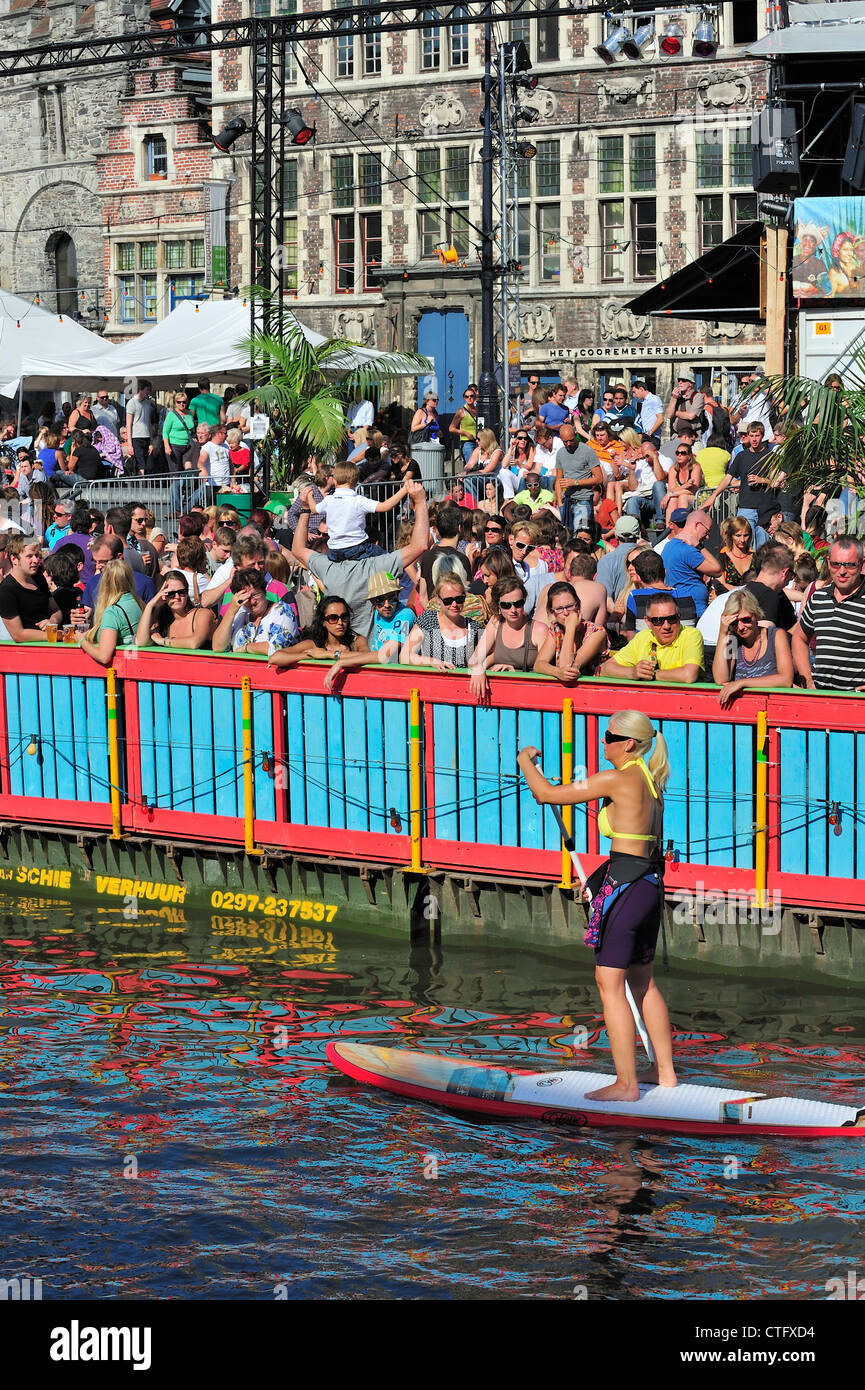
[(511, 639), (171, 619), (443, 637)]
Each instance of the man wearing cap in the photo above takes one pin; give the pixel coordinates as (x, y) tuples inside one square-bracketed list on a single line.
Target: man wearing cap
[(393, 620), (676, 520), (612, 567), (686, 403), (349, 579)]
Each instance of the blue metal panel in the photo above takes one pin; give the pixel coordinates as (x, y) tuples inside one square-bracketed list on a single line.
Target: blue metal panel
[(161, 734), (182, 777), (227, 754), (743, 805), (842, 788), (396, 760), (467, 782), (335, 762), (551, 749), (818, 793), (445, 734), (699, 816), (676, 796), (97, 739), (505, 750), (262, 742), (530, 730), (317, 759), (357, 792), (201, 715), (295, 747), (78, 725), (491, 788), (794, 774), (371, 713)]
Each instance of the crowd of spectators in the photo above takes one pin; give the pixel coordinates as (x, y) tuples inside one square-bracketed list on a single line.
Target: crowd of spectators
[(589, 548)]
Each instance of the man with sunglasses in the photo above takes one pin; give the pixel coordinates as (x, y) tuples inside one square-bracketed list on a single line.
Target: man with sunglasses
[(393, 620), (106, 412), (835, 617), (664, 648)]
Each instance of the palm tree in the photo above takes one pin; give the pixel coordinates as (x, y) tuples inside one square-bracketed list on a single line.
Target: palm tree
[(312, 384), (825, 445)]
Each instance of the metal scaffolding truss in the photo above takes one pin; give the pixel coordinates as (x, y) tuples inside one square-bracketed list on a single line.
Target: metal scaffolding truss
[(300, 28)]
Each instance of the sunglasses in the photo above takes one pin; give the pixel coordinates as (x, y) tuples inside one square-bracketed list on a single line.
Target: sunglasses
[(666, 620), (492, 530), (456, 602), (174, 593), (523, 545), (385, 598), (336, 618), (615, 738), (843, 564), (506, 605), (682, 453)]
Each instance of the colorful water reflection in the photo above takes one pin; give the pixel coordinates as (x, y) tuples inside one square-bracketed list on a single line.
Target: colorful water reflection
[(172, 1129)]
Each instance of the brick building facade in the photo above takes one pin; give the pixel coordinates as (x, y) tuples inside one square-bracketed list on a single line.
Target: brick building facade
[(640, 167)]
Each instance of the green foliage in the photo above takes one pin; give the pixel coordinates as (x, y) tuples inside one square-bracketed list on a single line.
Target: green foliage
[(309, 387), (825, 444)]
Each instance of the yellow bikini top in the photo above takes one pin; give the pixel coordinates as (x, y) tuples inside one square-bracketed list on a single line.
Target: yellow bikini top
[(603, 819)]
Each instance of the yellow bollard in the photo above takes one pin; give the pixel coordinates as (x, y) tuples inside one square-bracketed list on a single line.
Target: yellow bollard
[(761, 826), (248, 770), (113, 754), (567, 776), (414, 780)]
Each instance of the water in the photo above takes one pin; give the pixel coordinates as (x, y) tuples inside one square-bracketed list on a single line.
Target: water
[(171, 1129)]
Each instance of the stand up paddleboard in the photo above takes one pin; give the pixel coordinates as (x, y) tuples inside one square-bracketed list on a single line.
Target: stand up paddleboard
[(559, 1097)]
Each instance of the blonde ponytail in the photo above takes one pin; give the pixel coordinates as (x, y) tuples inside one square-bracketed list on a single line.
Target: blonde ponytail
[(636, 725), (659, 763)]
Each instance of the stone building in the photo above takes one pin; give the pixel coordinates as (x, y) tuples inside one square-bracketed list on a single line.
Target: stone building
[(51, 135), (641, 166)]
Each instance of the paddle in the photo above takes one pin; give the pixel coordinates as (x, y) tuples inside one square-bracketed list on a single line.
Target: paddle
[(581, 874)]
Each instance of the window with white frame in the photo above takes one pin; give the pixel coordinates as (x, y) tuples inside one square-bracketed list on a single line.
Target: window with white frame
[(430, 42), (356, 183), (151, 276), (723, 164), (443, 190), (289, 224), (458, 41), (539, 213), (357, 55), (156, 157), (628, 224)]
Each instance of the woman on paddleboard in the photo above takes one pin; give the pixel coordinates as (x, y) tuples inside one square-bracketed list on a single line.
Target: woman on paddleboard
[(627, 890)]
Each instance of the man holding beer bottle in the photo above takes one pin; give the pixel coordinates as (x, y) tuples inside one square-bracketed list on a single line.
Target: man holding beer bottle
[(664, 649)]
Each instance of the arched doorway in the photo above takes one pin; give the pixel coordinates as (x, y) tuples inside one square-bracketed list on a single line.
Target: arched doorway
[(66, 274)]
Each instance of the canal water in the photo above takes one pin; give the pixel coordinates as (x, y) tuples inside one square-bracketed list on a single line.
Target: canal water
[(171, 1128)]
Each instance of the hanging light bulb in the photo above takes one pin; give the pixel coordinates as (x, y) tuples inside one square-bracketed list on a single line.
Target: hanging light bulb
[(32, 747)]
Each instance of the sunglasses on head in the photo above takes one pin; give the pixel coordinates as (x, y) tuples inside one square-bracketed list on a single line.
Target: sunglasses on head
[(615, 738)]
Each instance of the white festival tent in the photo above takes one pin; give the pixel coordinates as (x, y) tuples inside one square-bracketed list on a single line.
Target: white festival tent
[(198, 339), (64, 351)]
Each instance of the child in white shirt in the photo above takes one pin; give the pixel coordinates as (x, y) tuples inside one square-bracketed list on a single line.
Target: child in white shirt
[(346, 511)]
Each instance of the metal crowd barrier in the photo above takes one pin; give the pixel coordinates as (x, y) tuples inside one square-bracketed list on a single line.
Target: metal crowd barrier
[(164, 494), (384, 526)]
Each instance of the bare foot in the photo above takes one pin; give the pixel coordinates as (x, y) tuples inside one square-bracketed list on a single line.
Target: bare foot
[(617, 1091)]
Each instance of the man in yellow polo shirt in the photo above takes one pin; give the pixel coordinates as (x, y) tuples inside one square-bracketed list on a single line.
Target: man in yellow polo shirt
[(664, 648)]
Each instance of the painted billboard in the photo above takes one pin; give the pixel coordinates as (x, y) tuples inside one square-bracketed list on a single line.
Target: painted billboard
[(829, 249)]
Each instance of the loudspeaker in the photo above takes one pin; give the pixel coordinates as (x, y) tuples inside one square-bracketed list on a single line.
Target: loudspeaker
[(775, 150), (853, 171)]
